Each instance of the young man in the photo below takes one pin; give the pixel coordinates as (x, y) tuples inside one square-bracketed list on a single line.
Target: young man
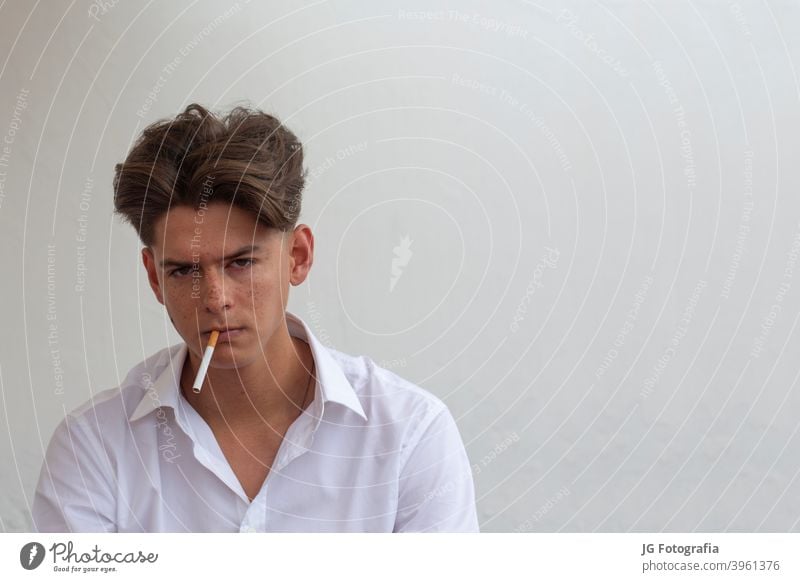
[(285, 434)]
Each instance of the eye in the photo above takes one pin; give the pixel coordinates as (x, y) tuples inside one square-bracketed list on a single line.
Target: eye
[(180, 272), (242, 263)]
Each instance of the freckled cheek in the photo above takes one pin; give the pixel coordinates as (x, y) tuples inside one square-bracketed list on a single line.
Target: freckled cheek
[(257, 295), (180, 306), (253, 294), (264, 297), (175, 292)]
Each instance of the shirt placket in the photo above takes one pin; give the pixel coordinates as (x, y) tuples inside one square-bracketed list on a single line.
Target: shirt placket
[(206, 449), (296, 442)]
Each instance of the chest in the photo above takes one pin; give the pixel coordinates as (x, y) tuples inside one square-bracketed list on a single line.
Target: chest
[(335, 485), (251, 455)]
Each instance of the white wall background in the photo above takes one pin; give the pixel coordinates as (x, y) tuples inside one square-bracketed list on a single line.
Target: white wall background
[(602, 203)]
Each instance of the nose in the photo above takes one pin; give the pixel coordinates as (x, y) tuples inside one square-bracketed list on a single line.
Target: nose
[(216, 294)]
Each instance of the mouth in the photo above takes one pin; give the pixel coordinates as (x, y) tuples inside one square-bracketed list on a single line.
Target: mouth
[(225, 333)]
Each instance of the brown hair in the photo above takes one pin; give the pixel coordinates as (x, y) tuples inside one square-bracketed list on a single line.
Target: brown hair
[(246, 158)]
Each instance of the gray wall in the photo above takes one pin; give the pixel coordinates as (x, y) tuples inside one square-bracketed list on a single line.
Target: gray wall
[(598, 202)]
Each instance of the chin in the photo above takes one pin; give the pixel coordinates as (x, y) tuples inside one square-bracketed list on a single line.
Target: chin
[(223, 359)]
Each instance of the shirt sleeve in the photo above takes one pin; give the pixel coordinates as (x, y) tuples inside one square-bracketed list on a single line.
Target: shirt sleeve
[(436, 492), (75, 493)]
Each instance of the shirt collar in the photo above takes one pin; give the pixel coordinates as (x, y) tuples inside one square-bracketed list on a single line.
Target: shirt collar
[(332, 385), (162, 390)]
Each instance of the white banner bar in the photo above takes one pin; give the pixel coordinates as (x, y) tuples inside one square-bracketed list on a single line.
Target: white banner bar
[(403, 557)]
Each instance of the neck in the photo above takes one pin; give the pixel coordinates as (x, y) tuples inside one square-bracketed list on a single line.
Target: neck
[(274, 388)]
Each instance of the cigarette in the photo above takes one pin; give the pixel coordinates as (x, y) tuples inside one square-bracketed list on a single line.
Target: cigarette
[(201, 373)]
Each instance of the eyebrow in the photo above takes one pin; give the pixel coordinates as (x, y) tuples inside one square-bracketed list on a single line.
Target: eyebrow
[(242, 251)]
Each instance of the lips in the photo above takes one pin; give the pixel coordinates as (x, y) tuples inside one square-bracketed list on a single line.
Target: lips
[(221, 329), (229, 335)]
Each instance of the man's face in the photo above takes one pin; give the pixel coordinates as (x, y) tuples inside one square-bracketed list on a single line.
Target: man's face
[(222, 269)]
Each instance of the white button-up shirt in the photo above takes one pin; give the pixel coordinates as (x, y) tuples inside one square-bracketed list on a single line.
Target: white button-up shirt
[(371, 453)]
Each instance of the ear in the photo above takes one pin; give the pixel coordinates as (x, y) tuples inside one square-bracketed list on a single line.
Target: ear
[(301, 254), (149, 261)]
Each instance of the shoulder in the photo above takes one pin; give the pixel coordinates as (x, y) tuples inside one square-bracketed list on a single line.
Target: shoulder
[(107, 412), (388, 399)]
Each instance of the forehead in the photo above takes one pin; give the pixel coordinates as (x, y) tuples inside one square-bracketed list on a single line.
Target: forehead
[(214, 230)]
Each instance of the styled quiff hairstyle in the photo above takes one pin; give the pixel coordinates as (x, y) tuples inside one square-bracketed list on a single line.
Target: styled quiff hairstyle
[(245, 158)]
